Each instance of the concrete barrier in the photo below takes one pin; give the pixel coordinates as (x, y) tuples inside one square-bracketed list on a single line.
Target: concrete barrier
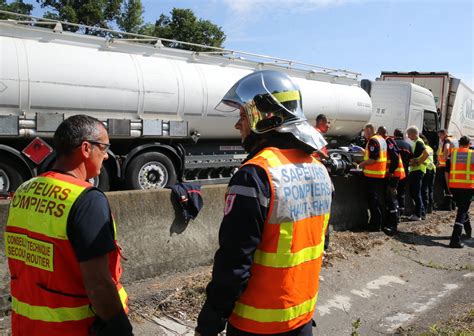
[(156, 240)]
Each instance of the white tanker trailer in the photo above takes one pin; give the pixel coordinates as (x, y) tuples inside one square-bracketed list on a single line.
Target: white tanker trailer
[(156, 102)]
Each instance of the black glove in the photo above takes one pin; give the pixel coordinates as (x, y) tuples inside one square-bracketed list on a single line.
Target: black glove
[(210, 321), (119, 325)]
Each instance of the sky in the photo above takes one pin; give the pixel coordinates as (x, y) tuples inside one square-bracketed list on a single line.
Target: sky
[(365, 36)]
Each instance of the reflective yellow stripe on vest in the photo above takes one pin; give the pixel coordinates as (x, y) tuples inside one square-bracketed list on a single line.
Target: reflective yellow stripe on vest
[(430, 160), (284, 257), (274, 315), (123, 296), (466, 172), (368, 171), (47, 314)]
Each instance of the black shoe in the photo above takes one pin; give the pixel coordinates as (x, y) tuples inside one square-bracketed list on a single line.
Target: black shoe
[(429, 209), (389, 231), (465, 236), (456, 245)]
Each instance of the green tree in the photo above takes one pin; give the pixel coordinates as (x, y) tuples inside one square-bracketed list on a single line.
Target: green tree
[(184, 26), (17, 6), (130, 18), (98, 13)]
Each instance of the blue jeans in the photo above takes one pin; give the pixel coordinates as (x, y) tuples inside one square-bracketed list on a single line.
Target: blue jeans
[(427, 186), (414, 184)]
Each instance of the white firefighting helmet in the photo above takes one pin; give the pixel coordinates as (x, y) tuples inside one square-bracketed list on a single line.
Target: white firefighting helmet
[(271, 101)]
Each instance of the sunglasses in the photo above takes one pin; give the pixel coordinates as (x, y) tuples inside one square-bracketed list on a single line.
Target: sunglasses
[(106, 145)]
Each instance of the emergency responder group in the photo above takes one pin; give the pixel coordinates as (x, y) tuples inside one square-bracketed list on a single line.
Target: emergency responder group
[(271, 241), (391, 164)]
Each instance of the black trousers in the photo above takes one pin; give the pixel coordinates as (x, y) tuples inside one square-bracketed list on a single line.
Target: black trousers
[(391, 202), (463, 202), (401, 192), (375, 193), (427, 187), (414, 184), (305, 330)]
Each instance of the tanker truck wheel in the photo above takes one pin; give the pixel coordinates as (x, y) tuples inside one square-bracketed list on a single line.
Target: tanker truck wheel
[(10, 178), (150, 170)]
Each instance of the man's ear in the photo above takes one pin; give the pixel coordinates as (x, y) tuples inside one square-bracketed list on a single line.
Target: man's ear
[(86, 149)]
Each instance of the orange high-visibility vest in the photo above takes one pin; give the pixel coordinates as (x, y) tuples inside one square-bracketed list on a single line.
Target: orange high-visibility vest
[(400, 171), (461, 173), (283, 287), (440, 152), (48, 294), (377, 169)]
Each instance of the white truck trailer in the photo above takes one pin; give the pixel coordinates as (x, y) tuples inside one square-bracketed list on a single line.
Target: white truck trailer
[(156, 102), (454, 99)]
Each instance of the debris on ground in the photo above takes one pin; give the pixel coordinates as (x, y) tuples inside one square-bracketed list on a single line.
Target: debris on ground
[(180, 296), (345, 244)]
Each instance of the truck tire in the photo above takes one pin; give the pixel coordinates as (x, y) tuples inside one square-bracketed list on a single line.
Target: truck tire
[(151, 170), (102, 181), (10, 178)]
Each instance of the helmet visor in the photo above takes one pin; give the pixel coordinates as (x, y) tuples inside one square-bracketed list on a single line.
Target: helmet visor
[(269, 100)]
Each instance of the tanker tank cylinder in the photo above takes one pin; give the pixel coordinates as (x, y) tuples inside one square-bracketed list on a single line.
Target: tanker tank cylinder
[(135, 129), (27, 123), (135, 125), (27, 128), (166, 128)]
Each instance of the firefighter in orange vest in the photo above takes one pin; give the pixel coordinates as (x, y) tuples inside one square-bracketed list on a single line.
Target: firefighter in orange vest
[(266, 271), (446, 145), (395, 172), (60, 243), (374, 169), (461, 183)]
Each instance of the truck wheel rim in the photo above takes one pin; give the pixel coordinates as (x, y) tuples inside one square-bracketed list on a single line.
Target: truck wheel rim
[(4, 181), (153, 175)]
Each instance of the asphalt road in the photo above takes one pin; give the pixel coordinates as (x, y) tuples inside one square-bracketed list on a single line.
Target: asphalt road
[(410, 283)]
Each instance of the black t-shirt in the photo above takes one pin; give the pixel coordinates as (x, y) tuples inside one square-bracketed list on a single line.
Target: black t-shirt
[(89, 227), (419, 148), (393, 154), (405, 151), (374, 149)]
